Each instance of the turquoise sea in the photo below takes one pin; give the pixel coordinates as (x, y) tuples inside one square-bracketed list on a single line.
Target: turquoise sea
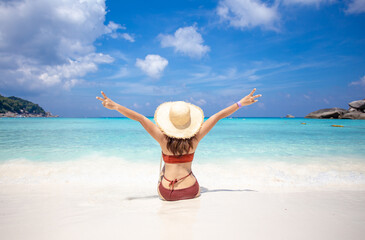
[(282, 150)]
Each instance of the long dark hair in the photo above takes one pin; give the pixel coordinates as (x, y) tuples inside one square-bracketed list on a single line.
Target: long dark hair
[(179, 146)]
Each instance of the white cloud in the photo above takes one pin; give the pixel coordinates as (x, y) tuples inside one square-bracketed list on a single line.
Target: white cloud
[(361, 82), (113, 27), (50, 43), (186, 41), (199, 102), (127, 37), (152, 65), (251, 72), (248, 14), (66, 74), (71, 70), (145, 89), (123, 72), (70, 83), (356, 7), (307, 2)]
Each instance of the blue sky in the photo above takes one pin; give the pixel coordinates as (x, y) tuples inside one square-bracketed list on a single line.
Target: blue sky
[(301, 55)]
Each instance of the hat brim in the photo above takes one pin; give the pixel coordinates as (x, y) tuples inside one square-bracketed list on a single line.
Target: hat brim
[(162, 120)]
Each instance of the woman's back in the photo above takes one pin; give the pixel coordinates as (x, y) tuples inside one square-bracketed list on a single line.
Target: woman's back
[(180, 169)]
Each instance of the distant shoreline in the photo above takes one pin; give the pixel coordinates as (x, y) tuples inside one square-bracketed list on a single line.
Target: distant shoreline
[(27, 115)]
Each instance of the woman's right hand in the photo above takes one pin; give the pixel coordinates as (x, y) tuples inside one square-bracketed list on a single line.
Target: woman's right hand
[(249, 99), (107, 102)]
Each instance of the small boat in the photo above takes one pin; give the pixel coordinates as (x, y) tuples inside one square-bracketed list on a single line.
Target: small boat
[(303, 123), (337, 125)]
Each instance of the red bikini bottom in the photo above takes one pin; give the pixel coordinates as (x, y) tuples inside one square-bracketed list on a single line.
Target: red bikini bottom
[(179, 194)]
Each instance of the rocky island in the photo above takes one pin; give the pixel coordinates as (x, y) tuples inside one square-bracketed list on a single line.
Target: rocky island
[(18, 107), (356, 111)]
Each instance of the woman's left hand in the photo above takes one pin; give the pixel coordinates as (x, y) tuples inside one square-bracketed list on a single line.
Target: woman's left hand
[(250, 98), (107, 102)]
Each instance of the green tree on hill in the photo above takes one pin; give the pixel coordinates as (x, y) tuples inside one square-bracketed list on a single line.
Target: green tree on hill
[(18, 105)]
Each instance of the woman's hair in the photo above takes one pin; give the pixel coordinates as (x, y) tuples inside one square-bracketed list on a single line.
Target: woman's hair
[(179, 146)]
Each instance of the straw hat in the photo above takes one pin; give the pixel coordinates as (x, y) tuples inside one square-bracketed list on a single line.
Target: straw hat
[(179, 119)]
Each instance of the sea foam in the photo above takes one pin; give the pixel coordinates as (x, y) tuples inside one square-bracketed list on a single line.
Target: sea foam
[(243, 174)]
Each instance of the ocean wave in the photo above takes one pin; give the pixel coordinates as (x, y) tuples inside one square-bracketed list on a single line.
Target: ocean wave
[(98, 170)]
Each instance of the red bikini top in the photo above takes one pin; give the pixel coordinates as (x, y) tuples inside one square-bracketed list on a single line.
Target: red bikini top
[(178, 159)]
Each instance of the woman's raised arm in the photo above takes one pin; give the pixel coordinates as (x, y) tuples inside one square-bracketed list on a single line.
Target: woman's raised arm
[(148, 125), (210, 123)]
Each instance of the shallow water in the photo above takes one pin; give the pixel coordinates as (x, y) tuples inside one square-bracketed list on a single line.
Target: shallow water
[(240, 152), (273, 139)]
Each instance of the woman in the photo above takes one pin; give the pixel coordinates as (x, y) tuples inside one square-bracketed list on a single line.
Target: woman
[(179, 128)]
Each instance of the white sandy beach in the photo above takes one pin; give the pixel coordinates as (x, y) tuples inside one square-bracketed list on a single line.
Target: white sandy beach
[(79, 212), (109, 198)]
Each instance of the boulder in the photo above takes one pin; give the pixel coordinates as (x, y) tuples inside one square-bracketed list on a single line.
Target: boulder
[(49, 114), (354, 115), (289, 116), (352, 109), (359, 104), (327, 113)]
